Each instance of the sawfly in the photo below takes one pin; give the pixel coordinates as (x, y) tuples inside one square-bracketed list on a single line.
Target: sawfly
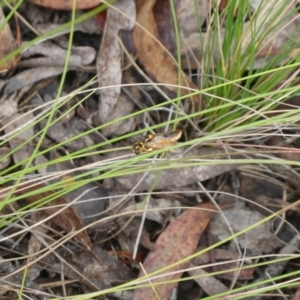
[(151, 141)]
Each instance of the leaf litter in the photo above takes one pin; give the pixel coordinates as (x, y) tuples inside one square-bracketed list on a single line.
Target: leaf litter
[(88, 236)]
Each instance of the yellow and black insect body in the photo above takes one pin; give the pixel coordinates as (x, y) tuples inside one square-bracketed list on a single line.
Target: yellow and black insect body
[(158, 141)]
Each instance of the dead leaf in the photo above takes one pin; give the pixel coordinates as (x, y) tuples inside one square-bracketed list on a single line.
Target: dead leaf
[(157, 209), (14, 278), (13, 123), (264, 193), (197, 13), (177, 242), (229, 259), (124, 107), (35, 243), (52, 55), (275, 269), (91, 197), (130, 232), (119, 17), (67, 218), (184, 175), (210, 284), (8, 45), (153, 55), (297, 295), (8, 106), (93, 273), (283, 149), (257, 240), (60, 133), (269, 25), (29, 77), (4, 162), (66, 4)]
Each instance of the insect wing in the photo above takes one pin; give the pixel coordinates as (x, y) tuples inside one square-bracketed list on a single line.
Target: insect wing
[(158, 141), (162, 140)]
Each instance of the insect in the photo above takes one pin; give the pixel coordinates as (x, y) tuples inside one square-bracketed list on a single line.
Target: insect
[(158, 141)]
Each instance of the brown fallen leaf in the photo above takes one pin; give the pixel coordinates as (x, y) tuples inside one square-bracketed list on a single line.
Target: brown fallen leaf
[(197, 13), (66, 4), (177, 242), (297, 295), (197, 38), (153, 55), (8, 44)]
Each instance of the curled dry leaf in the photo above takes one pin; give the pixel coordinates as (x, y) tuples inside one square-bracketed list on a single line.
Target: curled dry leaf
[(119, 17), (55, 56), (7, 45), (29, 77), (176, 243), (45, 67), (66, 4)]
